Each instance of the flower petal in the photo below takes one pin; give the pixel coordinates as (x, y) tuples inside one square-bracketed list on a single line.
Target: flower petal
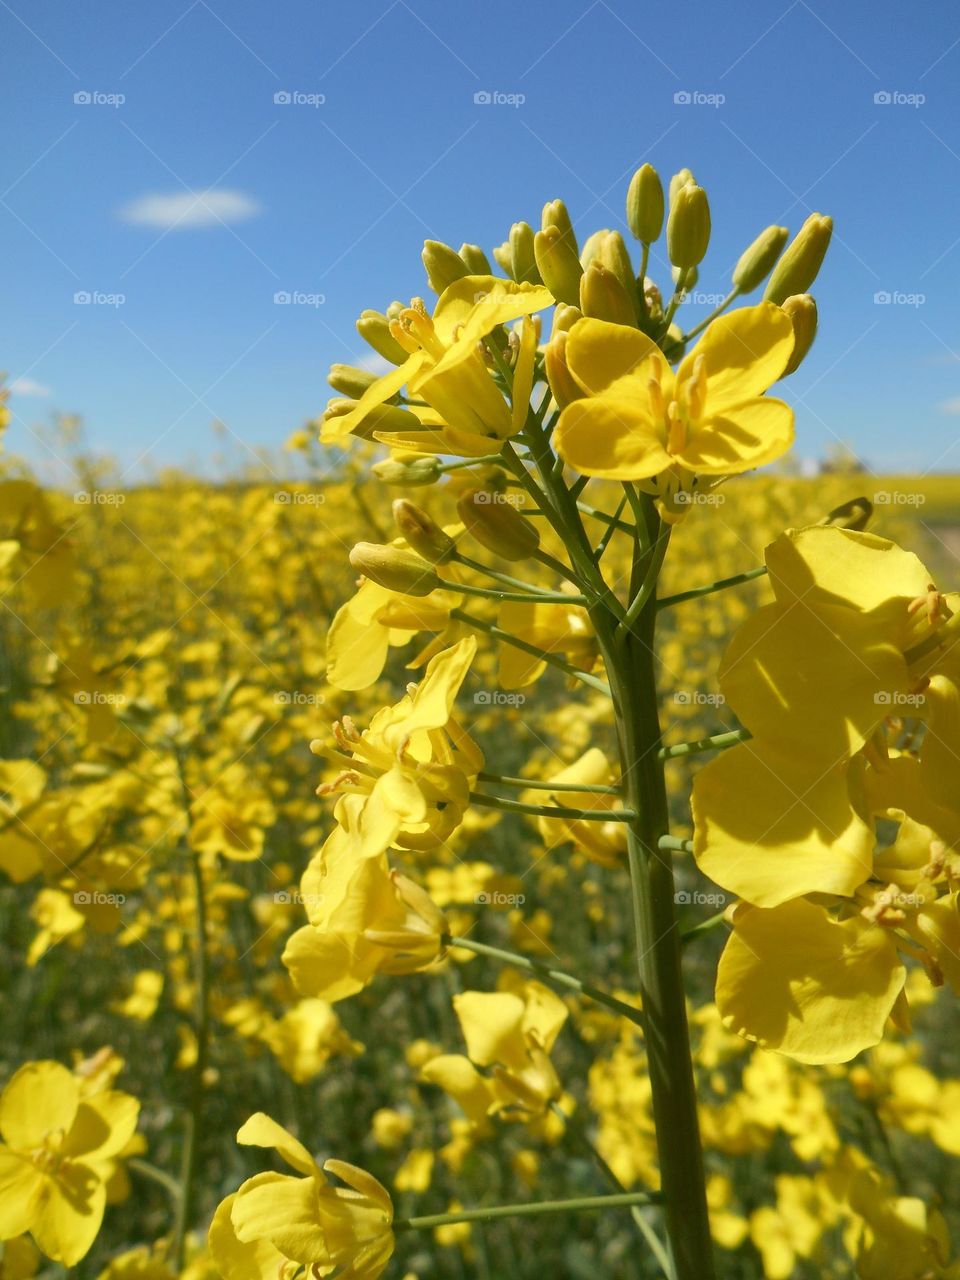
[(261, 1131), (598, 352), (611, 437), (744, 352), (41, 1097), (748, 435)]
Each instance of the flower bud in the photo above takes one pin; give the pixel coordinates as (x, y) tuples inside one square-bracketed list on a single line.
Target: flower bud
[(680, 180), (688, 226), (757, 261), (564, 318), (555, 214), (477, 262), (522, 255), (603, 297), (615, 256), (497, 525), (645, 204), (558, 264), (411, 472), (802, 259), (591, 248), (443, 265), (422, 533), (350, 381), (503, 257), (802, 311), (374, 329), (395, 569), (562, 384), (382, 417)]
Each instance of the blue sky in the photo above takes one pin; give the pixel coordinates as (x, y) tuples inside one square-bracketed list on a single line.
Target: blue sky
[(333, 198)]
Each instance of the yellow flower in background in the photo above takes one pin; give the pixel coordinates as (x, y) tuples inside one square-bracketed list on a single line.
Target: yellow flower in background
[(554, 628), (639, 418), (410, 773), (58, 1153), (277, 1223), (603, 842), (445, 368), (305, 1039)]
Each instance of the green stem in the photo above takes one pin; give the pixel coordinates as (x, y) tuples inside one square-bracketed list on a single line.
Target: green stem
[(584, 1204), (649, 585), (505, 578), (705, 926), (485, 461), (513, 597), (676, 844), (550, 810), (557, 976), (537, 784), (162, 1179), (720, 585), (716, 742), (498, 633)]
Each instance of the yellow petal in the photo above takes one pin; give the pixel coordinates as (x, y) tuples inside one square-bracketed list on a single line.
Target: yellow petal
[(598, 352), (770, 827), (261, 1131), (286, 1212), (523, 374), (327, 964), (41, 1097), (335, 430), (815, 989), (492, 1026), (744, 353), (104, 1125), (473, 306), (611, 437), (21, 1193), (255, 1260), (458, 1077), (67, 1223), (746, 435)]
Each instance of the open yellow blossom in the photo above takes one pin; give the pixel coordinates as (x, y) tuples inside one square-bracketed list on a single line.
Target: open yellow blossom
[(640, 418), (277, 1223), (57, 1156)]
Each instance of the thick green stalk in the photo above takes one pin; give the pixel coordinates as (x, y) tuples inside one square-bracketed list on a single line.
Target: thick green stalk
[(630, 665)]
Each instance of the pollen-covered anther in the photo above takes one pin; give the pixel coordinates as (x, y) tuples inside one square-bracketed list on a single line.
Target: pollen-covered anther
[(885, 909), (932, 603)]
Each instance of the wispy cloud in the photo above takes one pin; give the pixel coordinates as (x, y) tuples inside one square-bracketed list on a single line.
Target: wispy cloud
[(951, 406), (183, 209), (27, 387)]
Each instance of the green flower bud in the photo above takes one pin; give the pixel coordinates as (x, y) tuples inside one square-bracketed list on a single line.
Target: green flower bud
[(603, 297), (422, 532), (395, 569), (374, 328), (522, 254), (555, 214), (382, 417), (564, 318), (591, 248), (411, 472), (645, 204), (757, 261), (477, 261), (395, 310), (443, 265), (497, 525), (503, 257), (688, 226), (350, 381), (802, 311), (558, 264), (680, 180), (615, 256), (802, 259)]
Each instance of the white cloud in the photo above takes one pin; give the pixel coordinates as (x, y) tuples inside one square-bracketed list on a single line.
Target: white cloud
[(184, 209), (951, 406), (27, 387)]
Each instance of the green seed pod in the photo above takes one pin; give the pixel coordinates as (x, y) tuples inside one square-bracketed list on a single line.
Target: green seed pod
[(478, 264), (802, 311), (603, 297), (645, 204), (350, 381), (443, 265), (422, 532), (374, 328), (688, 226), (801, 260), (558, 264), (395, 569), (497, 525), (522, 254), (757, 261)]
